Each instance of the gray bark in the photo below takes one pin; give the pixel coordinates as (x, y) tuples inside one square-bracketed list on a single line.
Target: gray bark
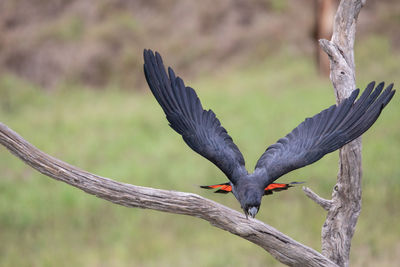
[(345, 206), (282, 247)]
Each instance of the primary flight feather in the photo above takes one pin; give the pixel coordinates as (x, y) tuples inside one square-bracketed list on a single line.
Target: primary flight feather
[(201, 130)]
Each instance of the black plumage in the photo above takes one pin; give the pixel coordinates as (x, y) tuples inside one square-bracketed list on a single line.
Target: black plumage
[(324, 133)]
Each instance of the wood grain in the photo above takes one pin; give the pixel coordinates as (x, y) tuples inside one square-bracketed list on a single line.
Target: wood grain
[(282, 247), (345, 208)]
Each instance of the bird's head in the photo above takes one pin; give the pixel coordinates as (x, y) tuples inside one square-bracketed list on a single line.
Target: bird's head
[(249, 193), (251, 203), (251, 210)]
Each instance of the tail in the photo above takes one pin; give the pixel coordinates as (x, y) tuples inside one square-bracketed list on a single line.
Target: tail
[(274, 187)]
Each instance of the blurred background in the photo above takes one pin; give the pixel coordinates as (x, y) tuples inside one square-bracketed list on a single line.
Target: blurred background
[(71, 83)]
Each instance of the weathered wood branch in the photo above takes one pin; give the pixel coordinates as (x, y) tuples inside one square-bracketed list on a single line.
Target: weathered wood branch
[(338, 229), (282, 247), (326, 204)]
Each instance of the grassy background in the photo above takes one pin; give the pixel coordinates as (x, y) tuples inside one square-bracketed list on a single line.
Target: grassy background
[(124, 135)]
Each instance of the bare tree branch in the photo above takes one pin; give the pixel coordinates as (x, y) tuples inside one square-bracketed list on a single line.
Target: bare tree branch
[(338, 229), (324, 203), (282, 247)]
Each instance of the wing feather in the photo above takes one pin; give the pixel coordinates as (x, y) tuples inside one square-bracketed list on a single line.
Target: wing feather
[(200, 129), (326, 132)]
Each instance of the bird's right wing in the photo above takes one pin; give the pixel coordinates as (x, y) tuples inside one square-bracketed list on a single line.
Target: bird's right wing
[(327, 131), (200, 129)]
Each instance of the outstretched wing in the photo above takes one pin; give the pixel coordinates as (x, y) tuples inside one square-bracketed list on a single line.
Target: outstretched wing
[(325, 132), (200, 129)]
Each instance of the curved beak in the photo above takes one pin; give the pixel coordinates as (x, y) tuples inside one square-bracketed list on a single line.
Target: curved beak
[(253, 211)]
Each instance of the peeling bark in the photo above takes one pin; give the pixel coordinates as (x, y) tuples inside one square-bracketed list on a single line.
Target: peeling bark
[(341, 220)]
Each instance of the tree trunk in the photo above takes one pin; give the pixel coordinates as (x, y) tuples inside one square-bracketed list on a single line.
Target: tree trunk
[(340, 224)]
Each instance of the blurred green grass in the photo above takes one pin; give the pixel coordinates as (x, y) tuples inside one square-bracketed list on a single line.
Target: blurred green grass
[(123, 135)]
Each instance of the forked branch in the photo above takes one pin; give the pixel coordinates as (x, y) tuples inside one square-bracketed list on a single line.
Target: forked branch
[(326, 204), (340, 224)]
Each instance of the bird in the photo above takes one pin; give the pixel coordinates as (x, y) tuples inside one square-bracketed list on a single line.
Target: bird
[(313, 138)]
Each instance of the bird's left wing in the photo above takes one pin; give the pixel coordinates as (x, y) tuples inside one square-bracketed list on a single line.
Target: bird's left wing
[(200, 129), (327, 131)]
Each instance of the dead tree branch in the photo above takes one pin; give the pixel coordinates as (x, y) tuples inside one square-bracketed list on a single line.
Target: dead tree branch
[(338, 229), (282, 247), (326, 204)]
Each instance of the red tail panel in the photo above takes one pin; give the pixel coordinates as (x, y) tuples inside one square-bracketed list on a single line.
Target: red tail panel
[(276, 187), (226, 187), (222, 188)]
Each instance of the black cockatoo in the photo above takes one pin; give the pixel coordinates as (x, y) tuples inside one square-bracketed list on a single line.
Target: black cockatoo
[(324, 133)]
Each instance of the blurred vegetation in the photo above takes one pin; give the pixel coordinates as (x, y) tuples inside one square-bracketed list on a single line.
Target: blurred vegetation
[(55, 54), (99, 44), (124, 135)]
